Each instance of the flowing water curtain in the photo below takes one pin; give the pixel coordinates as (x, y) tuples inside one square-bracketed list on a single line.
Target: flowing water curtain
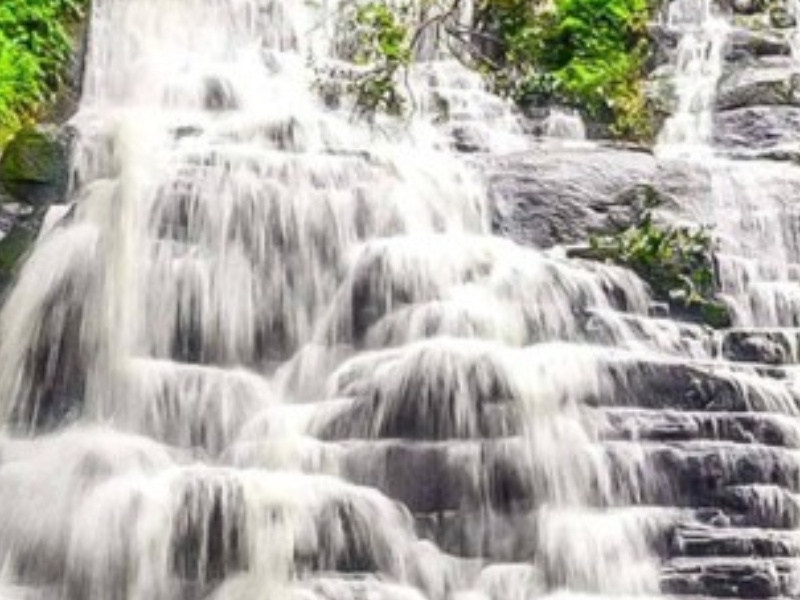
[(225, 221)]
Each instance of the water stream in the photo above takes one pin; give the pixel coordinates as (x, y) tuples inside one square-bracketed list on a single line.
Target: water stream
[(274, 352)]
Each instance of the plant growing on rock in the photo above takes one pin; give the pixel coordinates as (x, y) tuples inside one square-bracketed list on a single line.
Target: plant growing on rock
[(676, 262)]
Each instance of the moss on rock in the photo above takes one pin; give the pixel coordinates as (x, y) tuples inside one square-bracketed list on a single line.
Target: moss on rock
[(34, 168)]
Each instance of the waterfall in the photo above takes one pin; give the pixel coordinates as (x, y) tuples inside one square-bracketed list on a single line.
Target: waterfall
[(698, 67), (275, 351), (744, 201)]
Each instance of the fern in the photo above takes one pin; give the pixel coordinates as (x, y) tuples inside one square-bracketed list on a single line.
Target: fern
[(34, 47)]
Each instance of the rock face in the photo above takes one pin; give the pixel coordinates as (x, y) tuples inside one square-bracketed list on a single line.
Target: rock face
[(22, 232), (550, 195), (34, 168), (758, 127), (546, 197), (34, 174), (765, 85)]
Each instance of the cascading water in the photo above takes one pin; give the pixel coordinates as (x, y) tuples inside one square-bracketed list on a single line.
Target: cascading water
[(743, 200), (698, 67), (273, 352)]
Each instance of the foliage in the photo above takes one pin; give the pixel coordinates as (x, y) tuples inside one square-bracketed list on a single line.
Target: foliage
[(383, 49), (675, 262), (34, 46), (585, 53)]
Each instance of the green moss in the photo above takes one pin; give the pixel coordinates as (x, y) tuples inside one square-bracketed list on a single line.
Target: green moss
[(34, 48), (32, 157)]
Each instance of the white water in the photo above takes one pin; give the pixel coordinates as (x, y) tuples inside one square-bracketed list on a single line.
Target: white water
[(276, 353), (745, 203), (698, 67)]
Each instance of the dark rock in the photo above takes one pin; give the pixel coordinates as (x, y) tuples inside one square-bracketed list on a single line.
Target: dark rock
[(781, 17), (749, 44), (208, 537), (503, 537), (674, 426), (759, 87), (219, 96), (677, 386), (424, 477), (35, 166), (757, 128), (16, 243), (726, 579), (773, 347), (713, 541), (747, 7), (663, 45), (550, 196)]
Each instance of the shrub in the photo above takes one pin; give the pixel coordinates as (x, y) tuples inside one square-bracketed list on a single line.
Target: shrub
[(588, 54), (34, 47), (676, 262)]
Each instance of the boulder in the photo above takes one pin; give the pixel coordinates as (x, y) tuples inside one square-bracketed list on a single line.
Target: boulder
[(34, 167), (747, 7), (550, 196), (782, 17), (746, 44), (553, 195), (757, 127), (760, 86)]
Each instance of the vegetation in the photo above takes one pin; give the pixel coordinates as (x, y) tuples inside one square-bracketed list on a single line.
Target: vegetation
[(587, 54), (676, 262), (34, 47), (382, 44)]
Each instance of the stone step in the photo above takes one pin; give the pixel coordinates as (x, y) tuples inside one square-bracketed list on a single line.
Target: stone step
[(686, 426), (730, 578), (694, 541), (698, 474), (750, 506), (692, 386), (747, 485), (767, 346), (458, 389), (664, 335), (773, 84)]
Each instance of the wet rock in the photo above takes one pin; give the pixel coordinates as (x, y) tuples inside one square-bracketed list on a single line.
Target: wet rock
[(750, 44), (781, 17), (676, 386), (713, 541), (674, 426), (208, 537), (757, 127), (702, 473), (759, 87), (424, 477), (726, 579), (663, 44), (774, 347), (550, 196), (746, 7), (483, 534), (219, 96), (15, 244), (34, 168)]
